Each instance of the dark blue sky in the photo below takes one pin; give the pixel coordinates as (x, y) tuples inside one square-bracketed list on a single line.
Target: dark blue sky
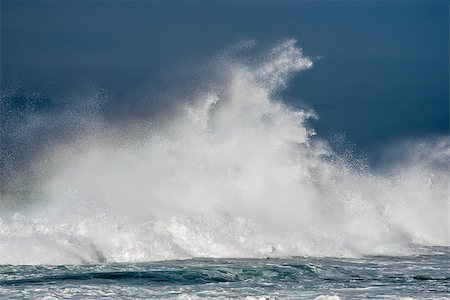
[(384, 74)]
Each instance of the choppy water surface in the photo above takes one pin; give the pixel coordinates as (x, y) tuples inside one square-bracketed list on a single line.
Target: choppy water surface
[(422, 276)]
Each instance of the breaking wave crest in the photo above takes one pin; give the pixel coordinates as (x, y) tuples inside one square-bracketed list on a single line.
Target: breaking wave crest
[(233, 173)]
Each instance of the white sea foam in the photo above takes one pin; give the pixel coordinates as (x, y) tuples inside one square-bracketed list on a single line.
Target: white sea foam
[(327, 297), (234, 173)]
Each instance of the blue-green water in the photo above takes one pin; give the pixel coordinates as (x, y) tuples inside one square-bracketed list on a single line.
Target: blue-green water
[(424, 276)]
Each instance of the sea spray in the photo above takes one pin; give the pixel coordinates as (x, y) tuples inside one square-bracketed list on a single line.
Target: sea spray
[(235, 172)]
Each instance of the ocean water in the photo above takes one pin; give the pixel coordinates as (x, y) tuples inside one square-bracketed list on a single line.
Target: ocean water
[(229, 195), (421, 276)]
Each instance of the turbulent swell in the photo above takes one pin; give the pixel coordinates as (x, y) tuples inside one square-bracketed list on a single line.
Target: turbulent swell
[(234, 173)]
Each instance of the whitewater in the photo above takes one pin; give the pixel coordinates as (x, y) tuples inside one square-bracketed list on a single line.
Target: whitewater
[(231, 179)]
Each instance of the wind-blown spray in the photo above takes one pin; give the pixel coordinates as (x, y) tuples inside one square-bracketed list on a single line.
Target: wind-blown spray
[(234, 173)]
